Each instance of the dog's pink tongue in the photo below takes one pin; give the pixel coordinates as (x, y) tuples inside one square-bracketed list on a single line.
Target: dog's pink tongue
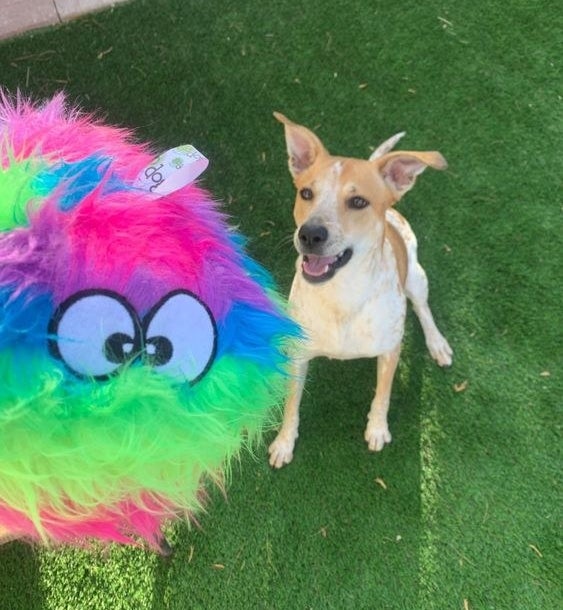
[(317, 265)]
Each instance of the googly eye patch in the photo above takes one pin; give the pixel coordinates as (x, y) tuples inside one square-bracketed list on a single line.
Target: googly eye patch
[(96, 332)]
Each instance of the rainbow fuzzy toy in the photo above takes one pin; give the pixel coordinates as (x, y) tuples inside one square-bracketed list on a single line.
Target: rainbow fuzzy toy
[(140, 347)]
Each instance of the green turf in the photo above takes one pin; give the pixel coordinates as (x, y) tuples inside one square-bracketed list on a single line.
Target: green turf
[(470, 517)]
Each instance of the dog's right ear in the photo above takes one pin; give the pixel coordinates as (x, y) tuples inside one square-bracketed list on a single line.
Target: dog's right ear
[(303, 146)]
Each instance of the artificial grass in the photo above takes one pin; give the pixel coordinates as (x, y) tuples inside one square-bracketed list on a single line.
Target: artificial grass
[(470, 514)]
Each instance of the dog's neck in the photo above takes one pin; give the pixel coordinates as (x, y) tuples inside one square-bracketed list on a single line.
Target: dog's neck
[(377, 263)]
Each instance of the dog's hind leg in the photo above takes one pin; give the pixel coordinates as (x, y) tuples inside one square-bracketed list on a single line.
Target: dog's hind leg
[(281, 450), (416, 289), (377, 433)]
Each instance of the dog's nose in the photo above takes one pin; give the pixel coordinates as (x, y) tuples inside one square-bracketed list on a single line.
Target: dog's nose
[(312, 236)]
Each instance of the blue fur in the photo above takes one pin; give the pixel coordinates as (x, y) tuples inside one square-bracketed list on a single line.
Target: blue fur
[(256, 345), (78, 179), (24, 318)]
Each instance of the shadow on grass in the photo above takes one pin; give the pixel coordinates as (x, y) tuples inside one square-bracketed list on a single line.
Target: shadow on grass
[(323, 519), (161, 579), (19, 578)]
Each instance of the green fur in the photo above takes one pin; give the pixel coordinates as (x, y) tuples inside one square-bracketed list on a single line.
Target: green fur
[(18, 188), (136, 433)]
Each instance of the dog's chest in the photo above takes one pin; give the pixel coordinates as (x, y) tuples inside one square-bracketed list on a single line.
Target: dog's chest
[(352, 323)]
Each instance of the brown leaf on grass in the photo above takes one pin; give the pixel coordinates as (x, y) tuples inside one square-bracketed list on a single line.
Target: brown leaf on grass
[(101, 54), (461, 387), (381, 483), (536, 550)]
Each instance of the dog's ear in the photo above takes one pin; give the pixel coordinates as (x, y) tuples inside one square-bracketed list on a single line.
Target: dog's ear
[(303, 146), (400, 169)]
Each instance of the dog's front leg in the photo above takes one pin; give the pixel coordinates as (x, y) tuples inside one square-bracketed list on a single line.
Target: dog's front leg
[(377, 431), (281, 450)]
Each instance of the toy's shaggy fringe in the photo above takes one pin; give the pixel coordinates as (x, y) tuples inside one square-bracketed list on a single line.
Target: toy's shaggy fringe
[(114, 460)]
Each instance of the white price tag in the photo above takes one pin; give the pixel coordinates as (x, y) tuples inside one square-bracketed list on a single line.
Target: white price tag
[(172, 170)]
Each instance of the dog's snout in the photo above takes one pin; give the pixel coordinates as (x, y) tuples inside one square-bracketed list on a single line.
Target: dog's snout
[(312, 237)]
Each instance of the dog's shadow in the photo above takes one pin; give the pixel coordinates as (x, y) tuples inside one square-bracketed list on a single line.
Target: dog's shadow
[(414, 361), (356, 380)]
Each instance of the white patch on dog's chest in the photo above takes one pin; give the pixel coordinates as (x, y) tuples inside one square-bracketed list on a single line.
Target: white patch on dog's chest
[(359, 323)]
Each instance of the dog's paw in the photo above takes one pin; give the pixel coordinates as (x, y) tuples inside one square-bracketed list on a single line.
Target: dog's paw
[(377, 436), (281, 451), (440, 350)]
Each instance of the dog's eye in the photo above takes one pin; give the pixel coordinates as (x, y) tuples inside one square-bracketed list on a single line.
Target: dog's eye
[(306, 194), (357, 202)]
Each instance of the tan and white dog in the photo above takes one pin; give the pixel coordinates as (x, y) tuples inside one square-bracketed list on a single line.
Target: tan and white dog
[(357, 265)]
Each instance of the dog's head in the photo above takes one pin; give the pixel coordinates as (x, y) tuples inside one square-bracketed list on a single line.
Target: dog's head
[(341, 202)]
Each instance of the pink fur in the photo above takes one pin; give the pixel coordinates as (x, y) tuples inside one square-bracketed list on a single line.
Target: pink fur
[(144, 519), (47, 131)]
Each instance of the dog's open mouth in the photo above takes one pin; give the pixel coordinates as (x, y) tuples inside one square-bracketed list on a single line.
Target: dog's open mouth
[(321, 268)]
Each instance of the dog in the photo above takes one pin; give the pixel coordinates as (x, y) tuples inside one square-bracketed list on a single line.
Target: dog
[(357, 265)]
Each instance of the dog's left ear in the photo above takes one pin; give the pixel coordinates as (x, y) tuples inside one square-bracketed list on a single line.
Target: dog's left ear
[(400, 169)]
